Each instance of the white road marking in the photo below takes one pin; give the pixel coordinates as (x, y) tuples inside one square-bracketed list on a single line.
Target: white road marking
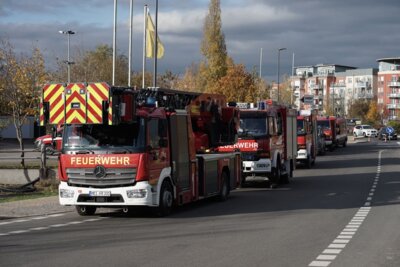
[(326, 257), (33, 218), (319, 263), (337, 246), (331, 251), (50, 226), (351, 228)]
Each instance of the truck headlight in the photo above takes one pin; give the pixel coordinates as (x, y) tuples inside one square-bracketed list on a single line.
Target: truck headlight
[(136, 193), (66, 193)]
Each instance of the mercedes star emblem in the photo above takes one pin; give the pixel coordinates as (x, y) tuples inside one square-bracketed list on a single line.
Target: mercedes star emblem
[(99, 171)]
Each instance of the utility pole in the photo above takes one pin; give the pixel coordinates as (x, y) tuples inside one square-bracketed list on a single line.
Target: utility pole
[(68, 62)]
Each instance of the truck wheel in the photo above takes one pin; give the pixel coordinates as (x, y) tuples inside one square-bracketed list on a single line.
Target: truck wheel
[(308, 162), (287, 175), (86, 210), (166, 200), (224, 191), (276, 176)]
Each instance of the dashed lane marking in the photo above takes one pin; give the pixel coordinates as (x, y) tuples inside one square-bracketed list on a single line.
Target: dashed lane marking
[(50, 226), (339, 243)]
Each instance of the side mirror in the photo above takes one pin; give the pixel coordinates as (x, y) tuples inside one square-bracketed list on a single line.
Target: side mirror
[(54, 132)]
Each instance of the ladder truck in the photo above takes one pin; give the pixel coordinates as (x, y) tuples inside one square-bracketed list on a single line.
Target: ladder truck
[(124, 148)]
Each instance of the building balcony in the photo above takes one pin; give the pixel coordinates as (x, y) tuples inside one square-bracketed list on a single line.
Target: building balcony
[(362, 85), (319, 96), (315, 87), (393, 106), (394, 95), (365, 95), (394, 84)]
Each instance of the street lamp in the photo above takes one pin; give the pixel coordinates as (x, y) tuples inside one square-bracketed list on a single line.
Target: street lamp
[(68, 62), (279, 59)]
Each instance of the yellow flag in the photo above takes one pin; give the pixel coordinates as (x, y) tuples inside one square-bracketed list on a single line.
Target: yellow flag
[(150, 40)]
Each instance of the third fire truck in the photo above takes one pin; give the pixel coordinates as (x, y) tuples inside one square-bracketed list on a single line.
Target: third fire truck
[(267, 141), (151, 147)]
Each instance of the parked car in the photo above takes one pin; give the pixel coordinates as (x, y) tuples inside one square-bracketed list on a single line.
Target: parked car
[(387, 132), (365, 130), (51, 144)]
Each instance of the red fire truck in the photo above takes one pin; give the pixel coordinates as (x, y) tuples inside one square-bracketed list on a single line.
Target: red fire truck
[(267, 142), (149, 147), (307, 137), (328, 126)]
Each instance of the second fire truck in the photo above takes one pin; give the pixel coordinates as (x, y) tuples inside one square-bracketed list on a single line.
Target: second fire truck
[(267, 142)]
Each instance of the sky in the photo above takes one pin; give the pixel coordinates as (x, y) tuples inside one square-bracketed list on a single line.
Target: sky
[(344, 32)]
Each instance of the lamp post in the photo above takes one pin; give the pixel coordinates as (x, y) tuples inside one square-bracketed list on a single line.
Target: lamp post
[(68, 62), (279, 59)]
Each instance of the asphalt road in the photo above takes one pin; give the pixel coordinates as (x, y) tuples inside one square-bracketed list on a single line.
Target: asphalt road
[(345, 211)]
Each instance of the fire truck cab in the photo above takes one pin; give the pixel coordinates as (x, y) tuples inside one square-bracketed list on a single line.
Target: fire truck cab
[(150, 147), (266, 141), (328, 126), (307, 137)]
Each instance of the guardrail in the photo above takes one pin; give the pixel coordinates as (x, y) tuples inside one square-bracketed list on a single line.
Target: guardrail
[(43, 173)]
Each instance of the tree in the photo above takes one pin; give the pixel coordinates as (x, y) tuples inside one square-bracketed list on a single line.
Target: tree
[(168, 80), (95, 66), (373, 117), (358, 109), (20, 79), (190, 80), (213, 46), (237, 85)]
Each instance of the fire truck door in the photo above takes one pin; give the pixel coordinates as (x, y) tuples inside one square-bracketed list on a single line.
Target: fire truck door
[(157, 148), (180, 149)]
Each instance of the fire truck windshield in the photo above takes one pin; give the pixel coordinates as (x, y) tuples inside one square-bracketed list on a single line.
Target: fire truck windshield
[(324, 124), (253, 127), (300, 127), (100, 137)]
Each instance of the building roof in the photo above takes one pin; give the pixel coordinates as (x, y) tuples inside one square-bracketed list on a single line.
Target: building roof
[(392, 60)]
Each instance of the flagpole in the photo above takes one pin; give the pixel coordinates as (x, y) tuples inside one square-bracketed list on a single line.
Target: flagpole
[(130, 42), (155, 47), (114, 42), (144, 45)]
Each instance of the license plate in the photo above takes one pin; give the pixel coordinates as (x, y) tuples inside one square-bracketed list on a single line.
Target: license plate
[(99, 193)]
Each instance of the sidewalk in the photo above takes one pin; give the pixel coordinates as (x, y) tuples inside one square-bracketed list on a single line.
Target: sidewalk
[(32, 207)]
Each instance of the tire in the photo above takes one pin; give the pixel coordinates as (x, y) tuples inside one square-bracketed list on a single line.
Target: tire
[(355, 134), (224, 190), (86, 210), (345, 143), (308, 162), (276, 175), (166, 200), (364, 134), (289, 173)]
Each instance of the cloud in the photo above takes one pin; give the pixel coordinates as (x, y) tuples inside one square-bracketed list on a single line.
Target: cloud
[(345, 32)]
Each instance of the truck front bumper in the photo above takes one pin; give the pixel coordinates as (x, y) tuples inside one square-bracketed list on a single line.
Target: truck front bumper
[(141, 194), (256, 167), (302, 154)]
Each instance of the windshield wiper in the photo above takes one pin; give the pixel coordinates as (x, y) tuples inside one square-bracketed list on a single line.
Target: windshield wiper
[(84, 151), (122, 151)]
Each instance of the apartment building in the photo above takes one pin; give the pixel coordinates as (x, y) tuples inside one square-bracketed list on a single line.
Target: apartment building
[(389, 87), (358, 84), (317, 84)]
